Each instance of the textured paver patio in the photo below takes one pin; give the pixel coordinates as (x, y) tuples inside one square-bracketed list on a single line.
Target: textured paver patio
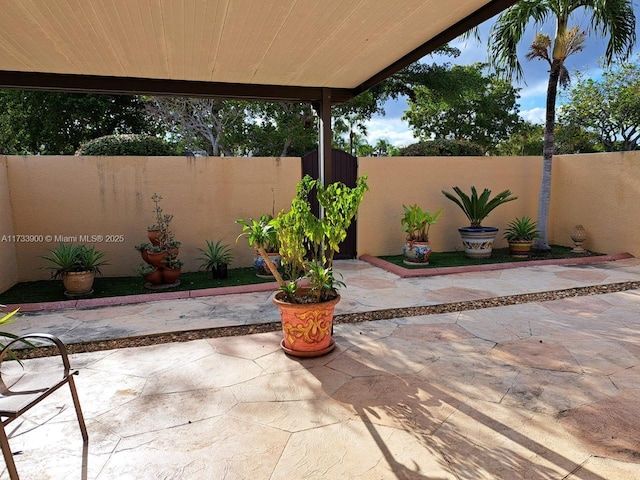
[(542, 390)]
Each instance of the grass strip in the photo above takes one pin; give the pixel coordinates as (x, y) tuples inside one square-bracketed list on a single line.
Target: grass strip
[(499, 255)]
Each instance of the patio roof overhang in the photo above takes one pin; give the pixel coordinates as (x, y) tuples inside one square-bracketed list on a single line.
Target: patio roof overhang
[(299, 50), (253, 49)]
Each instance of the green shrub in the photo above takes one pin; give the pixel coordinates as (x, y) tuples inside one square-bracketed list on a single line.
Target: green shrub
[(442, 148), (129, 144)]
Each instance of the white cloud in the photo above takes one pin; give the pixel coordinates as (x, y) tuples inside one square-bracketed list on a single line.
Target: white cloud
[(394, 130), (534, 115), (538, 89)]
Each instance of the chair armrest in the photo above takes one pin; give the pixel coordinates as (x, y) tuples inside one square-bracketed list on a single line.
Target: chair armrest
[(38, 336)]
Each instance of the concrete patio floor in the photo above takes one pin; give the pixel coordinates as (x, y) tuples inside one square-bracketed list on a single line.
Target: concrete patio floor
[(542, 390)]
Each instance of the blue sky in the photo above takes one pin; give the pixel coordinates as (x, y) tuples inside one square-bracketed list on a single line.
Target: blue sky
[(533, 89)]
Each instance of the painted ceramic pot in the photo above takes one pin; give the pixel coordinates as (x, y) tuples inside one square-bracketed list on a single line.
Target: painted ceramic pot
[(261, 266), (306, 327), (478, 242), (416, 252)]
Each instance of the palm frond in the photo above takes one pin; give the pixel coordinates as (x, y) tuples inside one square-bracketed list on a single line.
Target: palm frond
[(615, 19), (507, 32), (564, 78)]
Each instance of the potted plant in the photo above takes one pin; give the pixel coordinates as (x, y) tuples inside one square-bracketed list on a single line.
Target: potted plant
[(153, 275), (307, 245), (416, 223), (163, 249), (155, 255), (172, 267), (158, 233), (478, 240), (520, 234), (263, 238), (143, 249), (77, 265), (215, 258)]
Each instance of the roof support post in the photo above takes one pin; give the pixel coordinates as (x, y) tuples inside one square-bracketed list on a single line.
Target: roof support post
[(324, 141)]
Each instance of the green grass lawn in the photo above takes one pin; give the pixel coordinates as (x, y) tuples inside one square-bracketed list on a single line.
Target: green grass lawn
[(499, 255), (53, 290)]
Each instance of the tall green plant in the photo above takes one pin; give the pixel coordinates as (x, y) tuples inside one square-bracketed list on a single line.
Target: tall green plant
[(477, 207), (308, 242), (417, 222)]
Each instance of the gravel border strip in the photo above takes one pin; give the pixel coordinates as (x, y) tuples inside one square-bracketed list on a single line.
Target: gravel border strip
[(387, 314)]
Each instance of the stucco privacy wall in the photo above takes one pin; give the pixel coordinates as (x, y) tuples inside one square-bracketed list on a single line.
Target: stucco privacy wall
[(111, 196), (409, 180), (73, 196), (8, 265), (600, 191)]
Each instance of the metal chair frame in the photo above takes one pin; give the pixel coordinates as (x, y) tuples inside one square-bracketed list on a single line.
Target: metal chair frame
[(14, 402)]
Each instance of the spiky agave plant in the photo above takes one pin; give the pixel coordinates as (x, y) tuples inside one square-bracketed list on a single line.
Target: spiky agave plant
[(477, 207)]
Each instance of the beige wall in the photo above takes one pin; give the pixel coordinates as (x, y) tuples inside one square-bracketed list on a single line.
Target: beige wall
[(409, 180), (111, 196), (600, 191), (73, 196), (8, 265)]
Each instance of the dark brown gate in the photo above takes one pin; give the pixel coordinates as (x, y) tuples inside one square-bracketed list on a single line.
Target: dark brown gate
[(345, 170)]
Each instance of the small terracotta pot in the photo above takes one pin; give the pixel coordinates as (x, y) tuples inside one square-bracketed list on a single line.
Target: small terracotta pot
[(170, 275), (154, 236), (155, 277), (155, 259)]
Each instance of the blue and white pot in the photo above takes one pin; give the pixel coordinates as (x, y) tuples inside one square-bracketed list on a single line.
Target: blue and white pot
[(261, 266), (416, 253), (478, 242)]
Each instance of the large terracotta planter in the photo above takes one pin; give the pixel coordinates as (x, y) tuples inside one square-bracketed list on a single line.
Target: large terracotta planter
[(416, 253), (306, 328), (478, 242), (78, 283)]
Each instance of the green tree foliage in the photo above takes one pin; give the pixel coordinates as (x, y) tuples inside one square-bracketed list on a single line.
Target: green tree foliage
[(50, 123), (571, 138), (128, 144), (280, 129), (211, 124), (349, 121), (608, 108), (525, 140), (442, 147), (609, 18), (384, 148), (473, 107)]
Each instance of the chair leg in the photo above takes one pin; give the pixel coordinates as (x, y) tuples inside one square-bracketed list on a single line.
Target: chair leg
[(76, 403), (8, 456)]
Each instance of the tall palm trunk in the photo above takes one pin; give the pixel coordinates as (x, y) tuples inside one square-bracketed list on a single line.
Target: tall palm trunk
[(544, 198)]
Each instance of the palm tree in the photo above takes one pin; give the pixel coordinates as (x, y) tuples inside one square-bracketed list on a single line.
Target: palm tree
[(614, 19)]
